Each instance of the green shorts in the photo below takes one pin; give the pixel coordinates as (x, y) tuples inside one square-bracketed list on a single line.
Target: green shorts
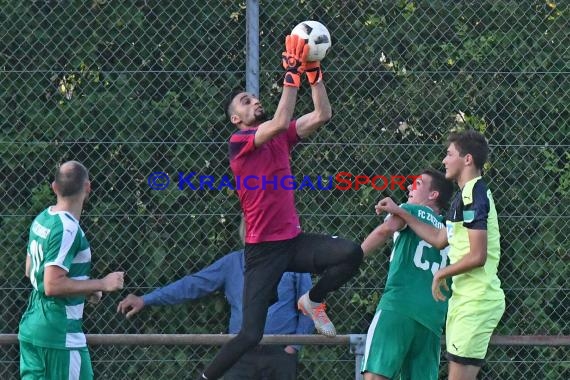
[(470, 324), (40, 363), (398, 345)]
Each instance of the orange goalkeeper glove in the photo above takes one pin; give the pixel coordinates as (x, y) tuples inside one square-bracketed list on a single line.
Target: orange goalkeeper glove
[(295, 54), (313, 71)]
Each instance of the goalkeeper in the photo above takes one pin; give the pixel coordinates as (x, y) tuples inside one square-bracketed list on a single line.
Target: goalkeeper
[(274, 242)]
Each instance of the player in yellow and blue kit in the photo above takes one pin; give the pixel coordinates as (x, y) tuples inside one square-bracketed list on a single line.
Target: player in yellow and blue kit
[(472, 232)]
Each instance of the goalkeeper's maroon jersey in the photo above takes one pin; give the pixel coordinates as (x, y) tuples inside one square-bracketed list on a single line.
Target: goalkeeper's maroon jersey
[(265, 185)]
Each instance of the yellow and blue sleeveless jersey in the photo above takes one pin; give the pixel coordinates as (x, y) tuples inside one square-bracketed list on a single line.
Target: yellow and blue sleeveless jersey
[(473, 208)]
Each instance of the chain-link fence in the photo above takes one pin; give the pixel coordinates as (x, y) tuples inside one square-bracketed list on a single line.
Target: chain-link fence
[(133, 88)]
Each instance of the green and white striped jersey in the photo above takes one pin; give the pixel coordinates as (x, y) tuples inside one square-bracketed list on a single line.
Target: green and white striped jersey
[(55, 322)]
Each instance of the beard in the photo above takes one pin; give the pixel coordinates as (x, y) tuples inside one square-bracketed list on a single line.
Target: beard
[(261, 117)]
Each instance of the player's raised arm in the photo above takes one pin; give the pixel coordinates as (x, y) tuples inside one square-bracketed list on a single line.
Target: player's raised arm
[(309, 123), (381, 234), (437, 237), (295, 54)]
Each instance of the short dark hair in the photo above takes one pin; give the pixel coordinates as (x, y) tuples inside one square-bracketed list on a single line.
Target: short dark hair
[(228, 101), (440, 184), (470, 142), (71, 179)]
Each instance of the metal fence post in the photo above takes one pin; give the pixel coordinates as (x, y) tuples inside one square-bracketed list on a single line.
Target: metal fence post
[(357, 345), (252, 47)]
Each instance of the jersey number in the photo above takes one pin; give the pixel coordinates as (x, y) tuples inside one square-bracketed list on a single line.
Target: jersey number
[(424, 264), (37, 256)]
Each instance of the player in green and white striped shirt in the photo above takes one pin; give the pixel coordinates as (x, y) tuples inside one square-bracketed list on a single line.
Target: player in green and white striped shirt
[(58, 263)]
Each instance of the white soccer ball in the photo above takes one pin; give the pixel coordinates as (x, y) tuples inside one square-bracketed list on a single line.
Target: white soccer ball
[(318, 37)]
